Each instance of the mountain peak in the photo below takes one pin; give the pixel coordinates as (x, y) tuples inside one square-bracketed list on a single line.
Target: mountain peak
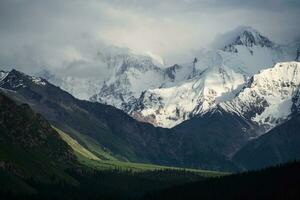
[(244, 36), (46, 74), (251, 37), (17, 79), (3, 74)]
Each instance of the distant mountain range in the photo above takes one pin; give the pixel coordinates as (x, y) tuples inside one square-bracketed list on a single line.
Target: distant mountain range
[(167, 96), (113, 131), (220, 138)]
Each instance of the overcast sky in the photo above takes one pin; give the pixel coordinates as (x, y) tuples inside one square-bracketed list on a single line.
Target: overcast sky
[(59, 34)]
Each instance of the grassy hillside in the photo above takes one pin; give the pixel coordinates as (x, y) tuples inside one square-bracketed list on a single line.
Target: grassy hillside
[(87, 158), (90, 144), (76, 146)]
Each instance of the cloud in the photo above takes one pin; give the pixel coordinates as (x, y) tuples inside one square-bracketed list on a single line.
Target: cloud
[(65, 36)]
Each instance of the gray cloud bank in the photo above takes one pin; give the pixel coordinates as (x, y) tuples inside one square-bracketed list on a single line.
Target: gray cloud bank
[(65, 36)]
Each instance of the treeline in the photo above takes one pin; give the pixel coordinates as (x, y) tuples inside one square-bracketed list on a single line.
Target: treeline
[(94, 184), (281, 182)]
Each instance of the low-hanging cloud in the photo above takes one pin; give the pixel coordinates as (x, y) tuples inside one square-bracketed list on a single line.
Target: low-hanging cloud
[(65, 36)]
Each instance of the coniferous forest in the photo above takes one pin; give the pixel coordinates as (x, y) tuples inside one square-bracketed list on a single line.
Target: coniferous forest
[(280, 182)]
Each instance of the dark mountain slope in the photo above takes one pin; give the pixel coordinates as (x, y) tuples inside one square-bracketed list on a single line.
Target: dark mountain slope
[(279, 145), (114, 130), (93, 119), (223, 132), (35, 163), (29, 147)]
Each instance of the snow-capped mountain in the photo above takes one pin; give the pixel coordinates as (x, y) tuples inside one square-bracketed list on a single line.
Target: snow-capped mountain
[(81, 88), (216, 77), (171, 105), (127, 74), (248, 37), (140, 85), (130, 75), (248, 52), (3, 74), (15, 79), (269, 96)]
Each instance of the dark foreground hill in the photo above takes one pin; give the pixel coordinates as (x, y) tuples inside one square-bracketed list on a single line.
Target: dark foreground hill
[(280, 145), (35, 163), (30, 150), (29, 147), (282, 182)]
